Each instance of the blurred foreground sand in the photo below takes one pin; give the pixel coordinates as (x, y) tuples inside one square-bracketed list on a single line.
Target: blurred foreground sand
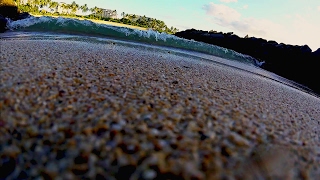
[(75, 109)]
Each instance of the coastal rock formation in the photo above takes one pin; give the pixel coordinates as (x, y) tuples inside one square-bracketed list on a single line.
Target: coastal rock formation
[(8, 9), (3, 23), (297, 63), (316, 53)]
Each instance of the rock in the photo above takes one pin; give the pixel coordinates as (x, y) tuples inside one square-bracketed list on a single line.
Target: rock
[(7, 166), (216, 36), (238, 139), (125, 172), (149, 174), (3, 24), (274, 43), (23, 15), (316, 53), (9, 10), (305, 49)]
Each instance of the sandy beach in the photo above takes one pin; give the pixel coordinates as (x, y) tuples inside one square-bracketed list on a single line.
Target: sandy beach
[(74, 110)]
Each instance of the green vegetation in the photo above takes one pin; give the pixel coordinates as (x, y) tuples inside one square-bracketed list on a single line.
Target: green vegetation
[(48, 7)]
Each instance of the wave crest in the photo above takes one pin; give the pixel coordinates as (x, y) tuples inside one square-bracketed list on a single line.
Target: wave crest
[(89, 28)]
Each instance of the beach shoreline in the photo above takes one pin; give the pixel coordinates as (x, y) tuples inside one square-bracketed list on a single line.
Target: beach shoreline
[(99, 110)]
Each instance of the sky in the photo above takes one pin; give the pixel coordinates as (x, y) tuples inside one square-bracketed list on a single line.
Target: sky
[(295, 22)]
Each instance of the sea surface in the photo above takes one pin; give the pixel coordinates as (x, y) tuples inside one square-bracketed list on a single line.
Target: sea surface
[(51, 28)]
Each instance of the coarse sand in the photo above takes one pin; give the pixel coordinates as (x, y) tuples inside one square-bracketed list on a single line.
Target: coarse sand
[(72, 109)]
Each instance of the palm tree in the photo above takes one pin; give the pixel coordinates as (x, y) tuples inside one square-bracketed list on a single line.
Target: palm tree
[(114, 14), (84, 8), (35, 3), (153, 23), (74, 7), (93, 10), (96, 11), (17, 2), (123, 14), (99, 11), (43, 3), (161, 25), (53, 6), (65, 8), (173, 30)]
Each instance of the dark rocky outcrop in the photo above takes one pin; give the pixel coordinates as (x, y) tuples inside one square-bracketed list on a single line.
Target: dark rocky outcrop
[(3, 24), (297, 63), (316, 53), (8, 10)]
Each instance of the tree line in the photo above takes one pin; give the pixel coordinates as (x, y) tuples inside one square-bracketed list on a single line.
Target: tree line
[(48, 7)]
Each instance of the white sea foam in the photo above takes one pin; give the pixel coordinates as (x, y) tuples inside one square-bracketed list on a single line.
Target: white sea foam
[(27, 22)]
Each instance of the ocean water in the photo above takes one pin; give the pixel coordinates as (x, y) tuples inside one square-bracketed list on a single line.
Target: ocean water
[(51, 28)]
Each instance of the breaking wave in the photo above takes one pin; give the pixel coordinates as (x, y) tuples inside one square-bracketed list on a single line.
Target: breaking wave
[(89, 28)]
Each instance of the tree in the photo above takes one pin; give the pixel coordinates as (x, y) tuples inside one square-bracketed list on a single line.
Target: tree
[(99, 12), (96, 11), (132, 19), (65, 8), (74, 7), (172, 30), (123, 14), (114, 13), (10, 2), (153, 23), (84, 8), (43, 3), (161, 26), (35, 3), (53, 6)]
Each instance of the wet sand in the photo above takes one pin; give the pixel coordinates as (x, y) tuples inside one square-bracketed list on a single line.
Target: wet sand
[(73, 110)]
